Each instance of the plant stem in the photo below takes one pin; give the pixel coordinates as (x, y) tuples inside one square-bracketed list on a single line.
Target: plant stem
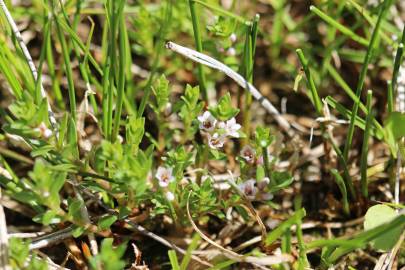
[(121, 73), (364, 150), (199, 48)]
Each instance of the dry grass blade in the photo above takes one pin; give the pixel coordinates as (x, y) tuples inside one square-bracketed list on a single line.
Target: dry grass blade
[(215, 64), (52, 238), (259, 262)]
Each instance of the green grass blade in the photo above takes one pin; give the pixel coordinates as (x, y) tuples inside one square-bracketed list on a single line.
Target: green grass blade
[(362, 76), (390, 97), (158, 49), (364, 150), (363, 12), (342, 187), (277, 232), (199, 48), (222, 11), (187, 257), (173, 260), (310, 82), (335, 75), (343, 29), (121, 76), (68, 70)]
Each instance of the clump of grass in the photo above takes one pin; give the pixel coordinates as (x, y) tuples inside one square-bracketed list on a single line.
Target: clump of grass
[(118, 158)]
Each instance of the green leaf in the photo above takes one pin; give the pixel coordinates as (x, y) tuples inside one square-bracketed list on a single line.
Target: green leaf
[(110, 256), (47, 218), (74, 210), (162, 93), (135, 129), (105, 222), (394, 130), (377, 215), (280, 180), (224, 109), (78, 231), (263, 137)]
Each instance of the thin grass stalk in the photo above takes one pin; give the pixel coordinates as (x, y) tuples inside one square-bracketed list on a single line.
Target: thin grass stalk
[(390, 97), (319, 108), (38, 95), (266, 161), (310, 81), (302, 254), (68, 70), (249, 64), (247, 74), (84, 71), (28, 58), (362, 77), (52, 73), (199, 48), (364, 149), (335, 75), (106, 93), (343, 29), (397, 64), (158, 49), (121, 75), (222, 11), (342, 187)]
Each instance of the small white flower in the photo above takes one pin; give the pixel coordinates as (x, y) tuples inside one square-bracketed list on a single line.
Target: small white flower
[(231, 51), (248, 153), (216, 141), (249, 189), (44, 131), (233, 37), (164, 175), (120, 139), (265, 196), (231, 127), (261, 185), (169, 196), (207, 121)]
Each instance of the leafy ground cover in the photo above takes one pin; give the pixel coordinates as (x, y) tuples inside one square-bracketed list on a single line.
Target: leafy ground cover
[(201, 134)]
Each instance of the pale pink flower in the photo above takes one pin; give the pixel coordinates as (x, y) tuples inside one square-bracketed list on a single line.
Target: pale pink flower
[(261, 185), (165, 176), (233, 37), (216, 141), (248, 153), (231, 51), (207, 121), (231, 127), (248, 188), (45, 132)]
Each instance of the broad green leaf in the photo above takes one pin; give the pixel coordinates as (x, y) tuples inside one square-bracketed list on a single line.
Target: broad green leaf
[(394, 130), (377, 215)]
